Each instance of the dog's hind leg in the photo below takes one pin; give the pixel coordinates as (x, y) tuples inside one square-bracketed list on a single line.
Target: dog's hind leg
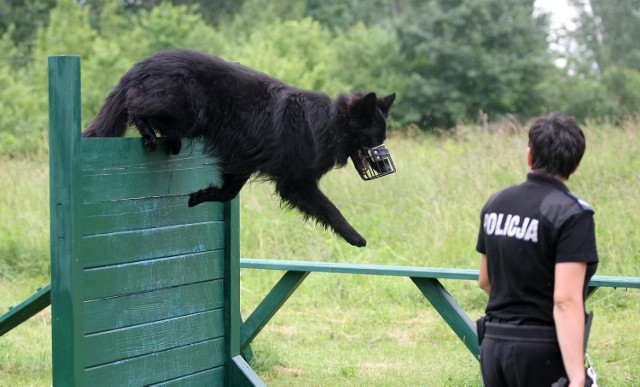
[(231, 186), (307, 197), (147, 132), (174, 144)]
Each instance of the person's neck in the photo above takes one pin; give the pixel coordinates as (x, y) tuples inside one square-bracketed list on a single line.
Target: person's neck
[(561, 179)]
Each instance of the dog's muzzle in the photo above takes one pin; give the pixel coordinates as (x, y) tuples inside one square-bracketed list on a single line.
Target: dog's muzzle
[(372, 163)]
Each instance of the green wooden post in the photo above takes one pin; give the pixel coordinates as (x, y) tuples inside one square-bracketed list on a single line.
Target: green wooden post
[(239, 373), (64, 145), (232, 274), (270, 305), (450, 311), (27, 308)]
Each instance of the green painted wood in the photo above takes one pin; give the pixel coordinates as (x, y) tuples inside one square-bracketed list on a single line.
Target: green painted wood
[(124, 170), (406, 271), (158, 367), (145, 290), (139, 245), (141, 184), (20, 313), (351, 268), (134, 309), (119, 153), (590, 291), (243, 375), (64, 147), (450, 311), (125, 343), (232, 284), (280, 293), (212, 377), (615, 282), (110, 281), (425, 278), (125, 215)]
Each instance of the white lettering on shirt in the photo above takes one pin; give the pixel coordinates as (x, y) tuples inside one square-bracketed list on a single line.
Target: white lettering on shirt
[(509, 225)]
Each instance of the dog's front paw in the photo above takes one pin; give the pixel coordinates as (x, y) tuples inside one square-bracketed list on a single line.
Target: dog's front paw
[(356, 240), (150, 142), (195, 199)]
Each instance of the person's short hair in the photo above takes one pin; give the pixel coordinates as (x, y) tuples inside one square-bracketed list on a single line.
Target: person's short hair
[(557, 144)]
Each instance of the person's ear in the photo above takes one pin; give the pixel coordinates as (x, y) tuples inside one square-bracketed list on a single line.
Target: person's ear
[(529, 157)]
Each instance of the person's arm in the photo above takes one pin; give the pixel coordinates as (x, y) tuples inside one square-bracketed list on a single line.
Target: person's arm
[(568, 313), (483, 278)]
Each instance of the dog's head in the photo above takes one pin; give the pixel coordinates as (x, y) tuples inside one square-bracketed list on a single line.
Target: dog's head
[(368, 115)]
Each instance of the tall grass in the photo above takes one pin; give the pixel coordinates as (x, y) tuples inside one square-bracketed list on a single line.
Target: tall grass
[(24, 217), (359, 330)]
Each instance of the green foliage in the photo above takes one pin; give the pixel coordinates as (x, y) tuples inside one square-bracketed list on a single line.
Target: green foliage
[(299, 52), (607, 34), (359, 46), (21, 19), (471, 56)]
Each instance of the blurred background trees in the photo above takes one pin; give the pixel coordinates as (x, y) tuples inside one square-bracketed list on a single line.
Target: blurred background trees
[(450, 61)]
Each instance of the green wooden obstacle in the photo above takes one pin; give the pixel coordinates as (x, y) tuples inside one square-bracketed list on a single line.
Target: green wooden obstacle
[(144, 290), (425, 278)]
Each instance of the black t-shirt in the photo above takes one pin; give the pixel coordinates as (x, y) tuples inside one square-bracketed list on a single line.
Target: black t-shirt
[(525, 230)]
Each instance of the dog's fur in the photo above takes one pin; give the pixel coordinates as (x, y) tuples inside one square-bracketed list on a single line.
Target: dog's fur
[(251, 122)]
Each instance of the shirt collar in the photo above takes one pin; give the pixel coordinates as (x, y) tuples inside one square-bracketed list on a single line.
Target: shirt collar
[(546, 180)]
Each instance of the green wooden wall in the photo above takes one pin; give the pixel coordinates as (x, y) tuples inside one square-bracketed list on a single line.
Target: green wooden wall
[(145, 290)]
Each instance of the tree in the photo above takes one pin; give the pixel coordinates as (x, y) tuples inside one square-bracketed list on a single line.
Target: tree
[(603, 60), (607, 35), (27, 16), (468, 56)]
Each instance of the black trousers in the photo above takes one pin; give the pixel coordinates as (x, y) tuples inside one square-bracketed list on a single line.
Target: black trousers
[(512, 363)]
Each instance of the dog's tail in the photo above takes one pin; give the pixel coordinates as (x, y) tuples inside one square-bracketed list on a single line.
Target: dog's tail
[(113, 117)]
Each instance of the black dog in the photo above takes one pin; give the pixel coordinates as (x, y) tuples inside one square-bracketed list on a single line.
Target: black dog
[(252, 123)]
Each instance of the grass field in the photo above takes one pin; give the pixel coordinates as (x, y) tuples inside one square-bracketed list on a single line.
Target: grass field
[(358, 330)]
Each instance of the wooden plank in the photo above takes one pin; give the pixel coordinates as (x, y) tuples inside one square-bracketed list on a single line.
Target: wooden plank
[(136, 214), (138, 340), (406, 271), (243, 375), (120, 312), (125, 152), (351, 268), (120, 168), (159, 366), (142, 184), (64, 150), (615, 282), (270, 305), (111, 281), (451, 312), (212, 377), (20, 313), (138, 245), (233, 320)]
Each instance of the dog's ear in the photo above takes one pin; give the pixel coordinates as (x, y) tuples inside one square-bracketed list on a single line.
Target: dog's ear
[(365, 106), (387, 102)]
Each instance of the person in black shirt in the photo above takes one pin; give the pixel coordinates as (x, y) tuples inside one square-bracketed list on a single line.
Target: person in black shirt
[(538, 252)]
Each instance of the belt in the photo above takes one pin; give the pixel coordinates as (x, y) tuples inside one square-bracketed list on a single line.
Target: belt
[(513, 332)]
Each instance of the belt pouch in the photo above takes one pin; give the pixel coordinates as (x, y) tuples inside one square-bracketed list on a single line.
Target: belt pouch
[(480, 328)]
